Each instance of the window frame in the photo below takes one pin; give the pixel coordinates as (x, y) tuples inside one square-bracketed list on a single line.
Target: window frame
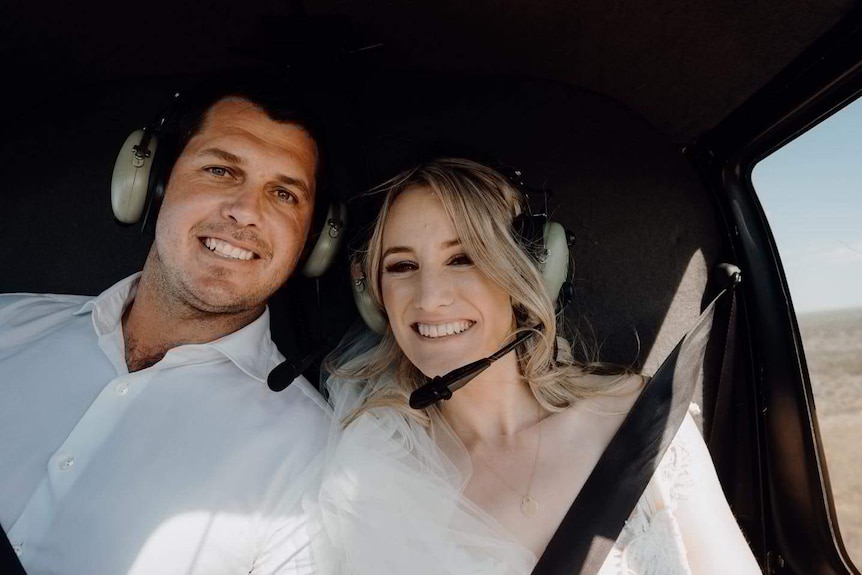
[(800, 534)]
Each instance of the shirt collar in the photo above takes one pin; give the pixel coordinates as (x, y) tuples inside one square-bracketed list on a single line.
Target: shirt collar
[(108, 307), (250, 348)]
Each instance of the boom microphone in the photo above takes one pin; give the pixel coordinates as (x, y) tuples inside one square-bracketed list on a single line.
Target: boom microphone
[(291, 368), (442, 386)]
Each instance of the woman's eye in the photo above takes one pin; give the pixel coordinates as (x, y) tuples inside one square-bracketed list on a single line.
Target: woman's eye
[(400, 267), (461, 260), (285, 196)]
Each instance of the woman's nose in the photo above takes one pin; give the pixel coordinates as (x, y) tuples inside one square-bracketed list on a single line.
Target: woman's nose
[(434, 290)]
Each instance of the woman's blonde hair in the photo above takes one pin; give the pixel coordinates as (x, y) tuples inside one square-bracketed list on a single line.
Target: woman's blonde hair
[(481, 204)]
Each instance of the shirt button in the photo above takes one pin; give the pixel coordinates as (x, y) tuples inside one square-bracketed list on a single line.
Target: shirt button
[(18, 549), (122, 388), (66, 464)]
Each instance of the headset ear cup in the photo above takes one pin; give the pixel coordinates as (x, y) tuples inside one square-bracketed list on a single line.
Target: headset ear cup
[(130, 179), (368, 310), (328, 242), (555, 259)]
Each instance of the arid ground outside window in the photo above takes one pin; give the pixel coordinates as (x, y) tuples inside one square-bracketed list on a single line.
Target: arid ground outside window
[(811, 191)]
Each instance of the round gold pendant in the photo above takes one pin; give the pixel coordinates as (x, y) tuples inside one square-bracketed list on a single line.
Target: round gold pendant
[(529, 506)]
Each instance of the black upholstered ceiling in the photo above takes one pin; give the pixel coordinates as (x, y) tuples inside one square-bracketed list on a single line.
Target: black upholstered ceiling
[(682, 65)]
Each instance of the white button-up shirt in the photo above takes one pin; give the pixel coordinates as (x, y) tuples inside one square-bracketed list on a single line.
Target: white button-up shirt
[(190, 466)]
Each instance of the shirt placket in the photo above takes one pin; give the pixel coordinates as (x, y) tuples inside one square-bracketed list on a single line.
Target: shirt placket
[(70, 461)]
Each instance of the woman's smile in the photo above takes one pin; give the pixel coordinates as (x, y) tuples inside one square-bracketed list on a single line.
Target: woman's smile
[(441, 330)]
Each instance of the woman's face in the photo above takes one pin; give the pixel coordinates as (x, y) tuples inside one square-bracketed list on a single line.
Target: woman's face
[(443, 311)]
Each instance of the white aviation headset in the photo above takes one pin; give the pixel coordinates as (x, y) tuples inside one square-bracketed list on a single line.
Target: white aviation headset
[(142, 170)]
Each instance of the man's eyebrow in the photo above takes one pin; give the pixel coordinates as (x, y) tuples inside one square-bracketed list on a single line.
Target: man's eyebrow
[(294, 182), (234, 159), (222, 154)]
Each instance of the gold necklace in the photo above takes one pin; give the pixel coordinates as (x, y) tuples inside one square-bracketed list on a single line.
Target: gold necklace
[(529, 505)]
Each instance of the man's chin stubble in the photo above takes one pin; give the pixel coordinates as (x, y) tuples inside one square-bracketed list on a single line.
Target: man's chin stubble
[(185, 297)]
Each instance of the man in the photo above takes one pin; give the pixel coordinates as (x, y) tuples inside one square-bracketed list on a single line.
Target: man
[(139, 435)]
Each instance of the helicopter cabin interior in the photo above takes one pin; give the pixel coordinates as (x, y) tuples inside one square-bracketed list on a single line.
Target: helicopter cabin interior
[(637, 124)]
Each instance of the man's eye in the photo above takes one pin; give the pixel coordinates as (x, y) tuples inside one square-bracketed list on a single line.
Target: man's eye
[(286, 196), (461, 260), (217, 171), (401, 267)]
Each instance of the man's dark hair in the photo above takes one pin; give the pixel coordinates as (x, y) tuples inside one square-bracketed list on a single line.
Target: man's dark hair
[(278, 98)]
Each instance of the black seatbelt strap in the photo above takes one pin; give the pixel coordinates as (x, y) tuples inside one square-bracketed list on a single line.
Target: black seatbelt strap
[(716, 434), (9, 563), (599, 512)]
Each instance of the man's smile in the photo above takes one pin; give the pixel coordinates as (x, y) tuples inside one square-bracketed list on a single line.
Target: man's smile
[(227, 250)]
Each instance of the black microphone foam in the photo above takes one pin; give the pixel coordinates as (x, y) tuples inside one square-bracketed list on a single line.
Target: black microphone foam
[(291, 368), (283, 375)]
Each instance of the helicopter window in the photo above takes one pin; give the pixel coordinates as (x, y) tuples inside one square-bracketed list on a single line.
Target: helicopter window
[(809, 190)]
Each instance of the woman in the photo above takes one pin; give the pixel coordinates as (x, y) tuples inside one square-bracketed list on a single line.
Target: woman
[(480, 483)]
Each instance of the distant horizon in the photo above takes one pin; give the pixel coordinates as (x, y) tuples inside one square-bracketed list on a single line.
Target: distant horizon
[(829, 310)]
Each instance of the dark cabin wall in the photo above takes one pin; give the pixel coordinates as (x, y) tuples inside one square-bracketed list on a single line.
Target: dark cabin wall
[(59, 234)]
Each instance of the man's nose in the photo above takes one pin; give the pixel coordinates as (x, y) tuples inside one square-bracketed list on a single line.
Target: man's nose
[(434, 290), (244, 205)]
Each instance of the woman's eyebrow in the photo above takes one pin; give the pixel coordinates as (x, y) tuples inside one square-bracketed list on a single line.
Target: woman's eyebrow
[(404, 249), (396, 250)]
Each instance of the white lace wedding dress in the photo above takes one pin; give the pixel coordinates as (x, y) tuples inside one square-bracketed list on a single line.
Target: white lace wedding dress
[(391, 503)]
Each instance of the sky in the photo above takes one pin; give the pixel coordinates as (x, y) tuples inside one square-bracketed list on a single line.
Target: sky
[(811, 191)]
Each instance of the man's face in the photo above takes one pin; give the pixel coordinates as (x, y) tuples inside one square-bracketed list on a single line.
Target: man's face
[(236, 211)]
